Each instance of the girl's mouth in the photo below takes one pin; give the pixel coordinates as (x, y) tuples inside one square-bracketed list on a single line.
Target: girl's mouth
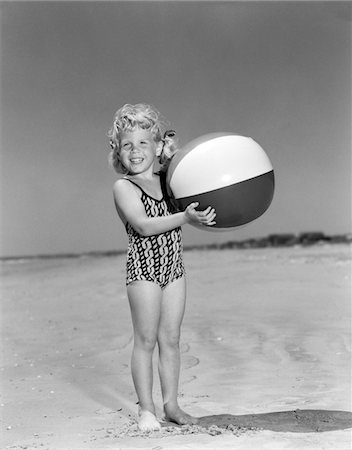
[(136, 160)]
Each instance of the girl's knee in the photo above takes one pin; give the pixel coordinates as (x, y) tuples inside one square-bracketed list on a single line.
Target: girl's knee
[(145, 342), (170, 340)]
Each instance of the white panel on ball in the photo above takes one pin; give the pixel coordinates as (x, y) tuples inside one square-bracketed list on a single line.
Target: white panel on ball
[(218, 161)]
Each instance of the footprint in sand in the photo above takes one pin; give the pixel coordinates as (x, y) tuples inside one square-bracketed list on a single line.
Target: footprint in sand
[(184, 348), (189, 361), (189, 380)]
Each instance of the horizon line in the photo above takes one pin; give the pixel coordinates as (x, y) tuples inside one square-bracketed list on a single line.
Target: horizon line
[(271, 240)]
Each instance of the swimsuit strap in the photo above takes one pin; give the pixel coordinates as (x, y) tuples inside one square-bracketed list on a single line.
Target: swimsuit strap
[(143, 191), (134, 183)]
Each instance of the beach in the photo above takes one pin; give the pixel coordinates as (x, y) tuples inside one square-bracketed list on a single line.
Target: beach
[(266, 352)]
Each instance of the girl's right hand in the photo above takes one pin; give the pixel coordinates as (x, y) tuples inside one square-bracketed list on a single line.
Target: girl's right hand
[(195, 217)]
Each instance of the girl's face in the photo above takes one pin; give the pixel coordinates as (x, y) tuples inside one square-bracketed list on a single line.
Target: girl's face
[(138, 150)]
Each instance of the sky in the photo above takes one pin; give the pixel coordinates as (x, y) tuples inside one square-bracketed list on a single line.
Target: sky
[(279, 72)]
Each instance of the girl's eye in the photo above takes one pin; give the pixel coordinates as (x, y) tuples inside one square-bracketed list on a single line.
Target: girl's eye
[(126, 146)]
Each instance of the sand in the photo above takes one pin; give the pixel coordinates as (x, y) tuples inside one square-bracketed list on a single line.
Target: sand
[(265, 353)]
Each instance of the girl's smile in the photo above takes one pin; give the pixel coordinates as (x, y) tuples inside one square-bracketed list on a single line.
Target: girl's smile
[(135, 160)]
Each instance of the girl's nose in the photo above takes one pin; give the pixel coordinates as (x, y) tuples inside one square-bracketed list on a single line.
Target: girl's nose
[(135, 147)]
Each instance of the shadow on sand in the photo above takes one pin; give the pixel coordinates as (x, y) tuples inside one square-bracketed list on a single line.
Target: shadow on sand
[(297, 421)]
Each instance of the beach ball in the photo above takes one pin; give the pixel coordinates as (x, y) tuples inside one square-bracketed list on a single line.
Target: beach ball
[(231, 173)]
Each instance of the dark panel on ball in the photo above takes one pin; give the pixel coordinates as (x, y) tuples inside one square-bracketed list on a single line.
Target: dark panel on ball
[(237, 204)]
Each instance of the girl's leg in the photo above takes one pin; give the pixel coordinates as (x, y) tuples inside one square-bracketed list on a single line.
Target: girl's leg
[(145, 302), (172, 311)]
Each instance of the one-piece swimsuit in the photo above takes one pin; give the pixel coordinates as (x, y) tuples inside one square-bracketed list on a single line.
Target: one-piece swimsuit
[(157, 258)]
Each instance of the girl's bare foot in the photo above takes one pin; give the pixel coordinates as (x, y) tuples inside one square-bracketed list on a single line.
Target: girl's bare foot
[(176, 415), (147, 421)]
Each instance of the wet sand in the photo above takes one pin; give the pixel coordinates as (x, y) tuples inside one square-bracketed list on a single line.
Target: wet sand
[(265, 353)]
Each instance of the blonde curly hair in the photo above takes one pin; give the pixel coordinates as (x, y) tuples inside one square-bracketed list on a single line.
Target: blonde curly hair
[(146, 117)]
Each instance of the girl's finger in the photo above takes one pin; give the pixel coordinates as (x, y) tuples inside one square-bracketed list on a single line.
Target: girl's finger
[(211, 213)]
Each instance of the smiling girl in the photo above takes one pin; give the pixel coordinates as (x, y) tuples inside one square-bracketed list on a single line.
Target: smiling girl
[(156, 284)]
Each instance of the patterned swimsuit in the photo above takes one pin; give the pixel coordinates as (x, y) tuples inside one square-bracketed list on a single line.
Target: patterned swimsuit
[(156, 258)]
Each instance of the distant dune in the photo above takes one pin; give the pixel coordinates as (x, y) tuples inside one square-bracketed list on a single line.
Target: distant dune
[(281, 240)]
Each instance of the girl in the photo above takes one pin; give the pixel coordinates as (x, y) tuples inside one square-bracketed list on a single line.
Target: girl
[(155, 271)]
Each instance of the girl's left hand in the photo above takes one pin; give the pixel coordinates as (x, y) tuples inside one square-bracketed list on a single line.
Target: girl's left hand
[(205, 217)]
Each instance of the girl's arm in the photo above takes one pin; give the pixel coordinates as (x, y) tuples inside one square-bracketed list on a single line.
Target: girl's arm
[(130, 208)]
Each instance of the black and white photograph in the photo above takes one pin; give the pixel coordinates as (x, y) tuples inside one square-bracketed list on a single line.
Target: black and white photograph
[(176, 225)]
